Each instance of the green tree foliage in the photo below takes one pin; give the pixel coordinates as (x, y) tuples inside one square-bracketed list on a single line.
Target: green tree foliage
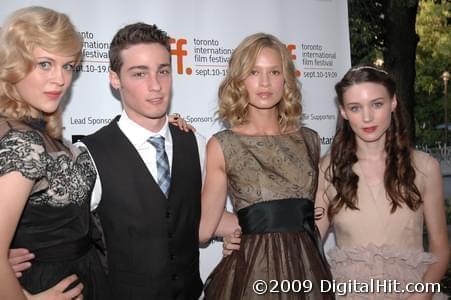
[(433, 57), (400, 43), (385, 29), (366, 30)]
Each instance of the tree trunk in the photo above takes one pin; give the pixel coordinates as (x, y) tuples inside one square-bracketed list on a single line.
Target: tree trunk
[(400, 48)]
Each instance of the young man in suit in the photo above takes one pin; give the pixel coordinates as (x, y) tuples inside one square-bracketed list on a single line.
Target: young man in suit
[(148, 201)]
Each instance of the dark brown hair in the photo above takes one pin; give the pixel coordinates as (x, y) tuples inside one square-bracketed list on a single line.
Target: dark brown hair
[(399, 177), (133, 34)]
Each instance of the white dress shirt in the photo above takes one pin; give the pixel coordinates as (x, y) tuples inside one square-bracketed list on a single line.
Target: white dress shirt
[(139, 136)]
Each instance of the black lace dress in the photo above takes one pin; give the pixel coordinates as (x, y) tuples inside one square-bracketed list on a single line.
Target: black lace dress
[(55, 223)]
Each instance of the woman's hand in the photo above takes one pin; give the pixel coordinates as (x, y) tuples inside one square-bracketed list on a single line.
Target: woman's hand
[(231, 243), (176, 120), (58, 291)]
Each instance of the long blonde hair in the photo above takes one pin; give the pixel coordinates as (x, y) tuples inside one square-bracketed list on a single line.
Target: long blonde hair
[(22, 32), (233, 97)]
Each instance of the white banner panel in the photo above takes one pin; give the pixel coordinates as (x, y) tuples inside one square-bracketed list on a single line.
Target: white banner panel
[(204, 34)]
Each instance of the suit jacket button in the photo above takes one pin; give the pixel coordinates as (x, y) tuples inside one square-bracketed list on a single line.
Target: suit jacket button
[(175, 277)]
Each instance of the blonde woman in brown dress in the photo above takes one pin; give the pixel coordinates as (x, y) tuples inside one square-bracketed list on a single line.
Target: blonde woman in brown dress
[(378, 193), (268, 166)]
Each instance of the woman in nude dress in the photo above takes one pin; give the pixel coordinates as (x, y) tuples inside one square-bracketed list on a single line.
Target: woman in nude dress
[(378, 193)]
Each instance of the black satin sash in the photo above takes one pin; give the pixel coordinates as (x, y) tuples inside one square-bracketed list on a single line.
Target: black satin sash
[(286, 215), (64, 252)]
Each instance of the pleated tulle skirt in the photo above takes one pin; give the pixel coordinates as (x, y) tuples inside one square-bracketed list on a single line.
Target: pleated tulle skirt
[(287, 264)]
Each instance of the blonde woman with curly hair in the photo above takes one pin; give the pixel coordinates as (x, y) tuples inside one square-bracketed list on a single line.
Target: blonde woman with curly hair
[(45, 183), (267, 163)]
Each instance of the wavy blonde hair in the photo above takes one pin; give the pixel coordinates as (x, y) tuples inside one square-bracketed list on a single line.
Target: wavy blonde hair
[(22, 32), (233, 96)]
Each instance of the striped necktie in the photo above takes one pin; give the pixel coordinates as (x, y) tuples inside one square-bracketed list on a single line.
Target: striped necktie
[(163, 174)]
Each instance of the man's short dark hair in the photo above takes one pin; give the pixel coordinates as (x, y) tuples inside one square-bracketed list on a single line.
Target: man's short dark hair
[(134, 34)]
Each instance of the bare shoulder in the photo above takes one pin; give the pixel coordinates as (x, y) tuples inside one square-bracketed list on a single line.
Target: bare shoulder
[(212, 142), (420, 155), (214, 147), (424, 163), (428, 174), (324, 162), (215, 155)]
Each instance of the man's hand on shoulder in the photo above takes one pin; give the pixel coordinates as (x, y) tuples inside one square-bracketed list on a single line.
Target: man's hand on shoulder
[(19, 259)]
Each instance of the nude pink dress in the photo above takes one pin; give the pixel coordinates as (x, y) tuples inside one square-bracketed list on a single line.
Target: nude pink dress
[(373, 243)]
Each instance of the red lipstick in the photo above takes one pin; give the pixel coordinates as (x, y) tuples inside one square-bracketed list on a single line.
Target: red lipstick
[(370, 129)]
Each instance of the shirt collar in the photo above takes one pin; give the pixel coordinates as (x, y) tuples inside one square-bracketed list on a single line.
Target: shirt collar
[(139, 135)]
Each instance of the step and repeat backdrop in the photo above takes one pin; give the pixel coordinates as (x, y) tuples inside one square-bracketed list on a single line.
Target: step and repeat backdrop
[(204, 34)]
